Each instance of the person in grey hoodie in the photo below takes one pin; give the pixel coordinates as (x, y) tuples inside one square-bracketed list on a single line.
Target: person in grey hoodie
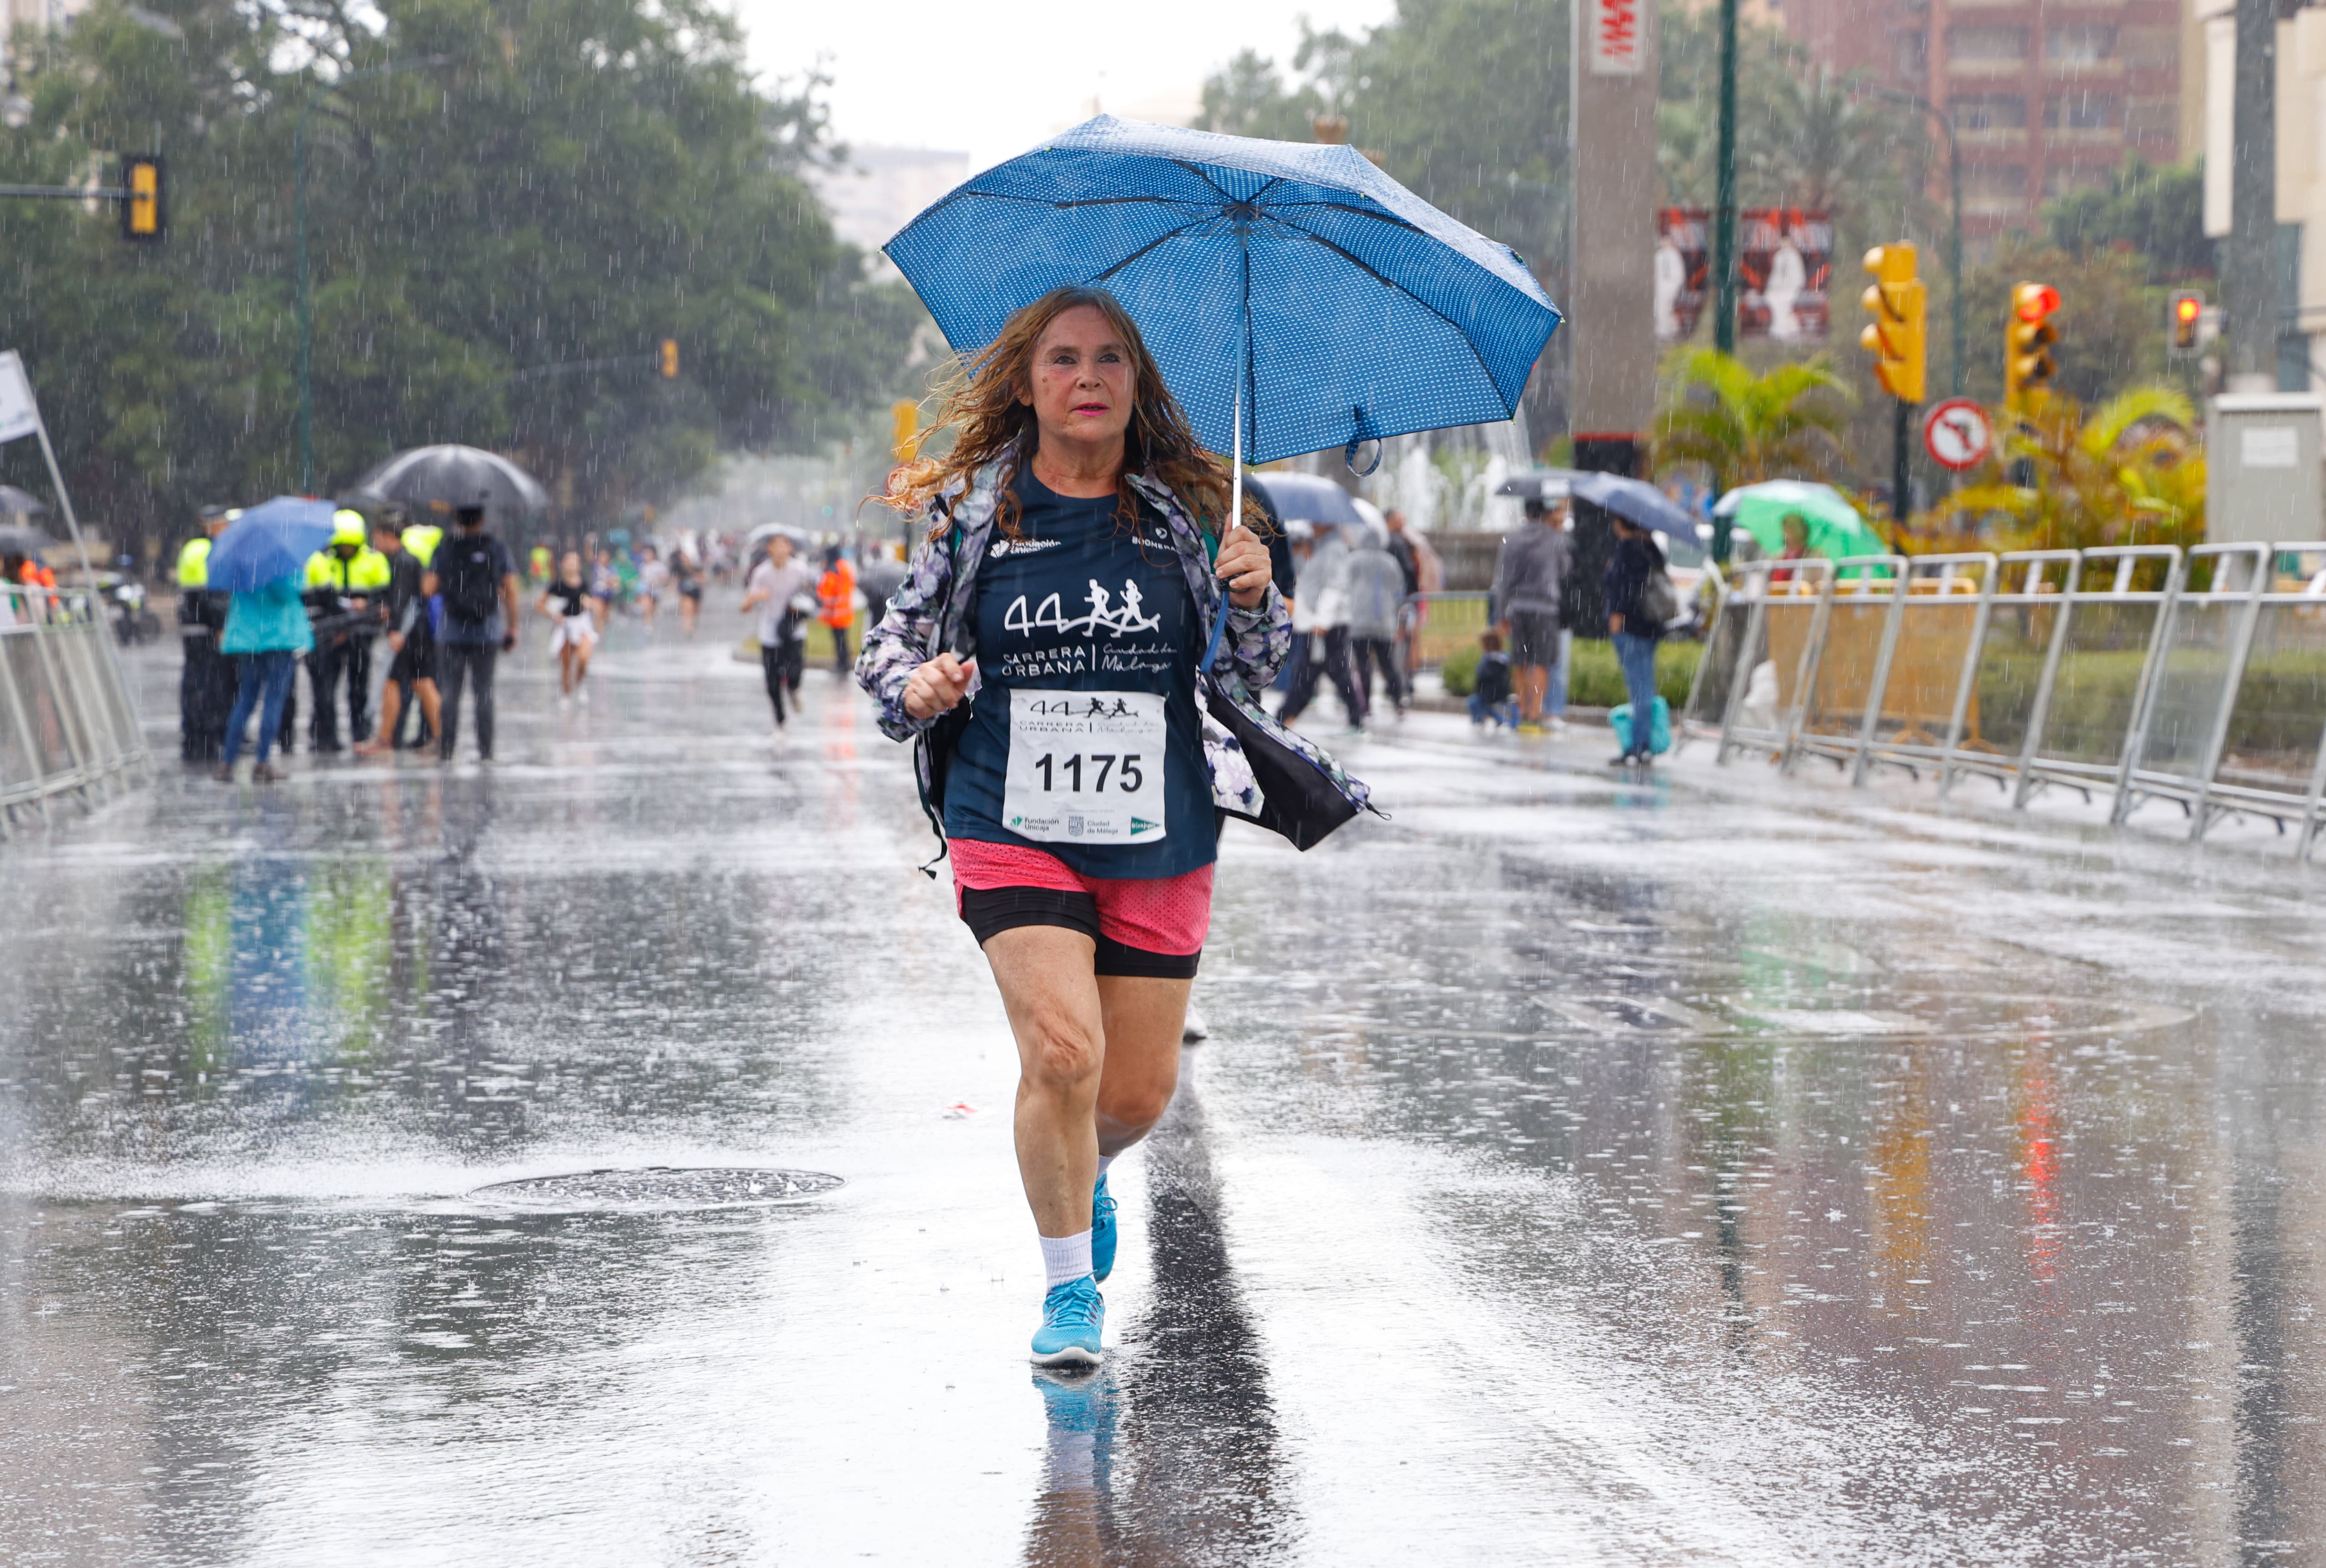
[(1376, 590), (1321, 610), (1524, 607)]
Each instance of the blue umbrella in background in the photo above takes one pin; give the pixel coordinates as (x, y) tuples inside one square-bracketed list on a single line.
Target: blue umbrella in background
[(271, 540), (1295, 297), (1637, 502)]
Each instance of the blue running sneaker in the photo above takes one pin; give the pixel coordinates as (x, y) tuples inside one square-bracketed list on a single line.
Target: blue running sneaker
[(1103, 1232), (1073, 1314)]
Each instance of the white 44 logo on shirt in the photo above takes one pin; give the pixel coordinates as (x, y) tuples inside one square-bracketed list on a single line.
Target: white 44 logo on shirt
[(1117, 621)]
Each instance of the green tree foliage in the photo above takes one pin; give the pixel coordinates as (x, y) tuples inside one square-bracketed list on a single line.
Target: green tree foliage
[(1805, 137), (558, 181), (1786, 423), (2157, 210), (2111, 321), (2130, 472)]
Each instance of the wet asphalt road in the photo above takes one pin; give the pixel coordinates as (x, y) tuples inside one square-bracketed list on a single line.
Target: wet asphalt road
[(1715, 1170)]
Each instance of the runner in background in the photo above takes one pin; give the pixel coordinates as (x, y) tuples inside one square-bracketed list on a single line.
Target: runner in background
[(835, 594), (686, 575), (783, 590), (568, 603), (654, 577)]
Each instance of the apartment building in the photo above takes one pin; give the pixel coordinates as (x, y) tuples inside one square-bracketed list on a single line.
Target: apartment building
[(2047, 95)]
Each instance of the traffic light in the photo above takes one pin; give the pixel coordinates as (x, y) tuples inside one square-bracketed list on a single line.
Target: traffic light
[(2027, 361), (143, 212), (2188, 314), (1899, 305), (668, 359), (904, 428)]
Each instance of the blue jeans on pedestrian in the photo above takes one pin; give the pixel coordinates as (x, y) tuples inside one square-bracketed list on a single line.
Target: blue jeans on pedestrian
[(1637, 656), (266, 676), (1506, 711)]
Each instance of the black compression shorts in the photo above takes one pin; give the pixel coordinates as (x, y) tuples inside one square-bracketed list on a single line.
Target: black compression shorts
[(990, 911)]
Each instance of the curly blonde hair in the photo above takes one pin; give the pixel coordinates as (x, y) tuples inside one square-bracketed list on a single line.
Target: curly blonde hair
[(979, 402)]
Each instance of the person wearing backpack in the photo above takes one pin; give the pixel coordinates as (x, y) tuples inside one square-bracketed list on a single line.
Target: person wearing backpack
[(1639, 603), (475, 576)]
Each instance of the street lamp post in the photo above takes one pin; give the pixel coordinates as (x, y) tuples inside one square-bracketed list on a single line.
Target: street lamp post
[(306, 283), (1724, 193), (1954, 242)]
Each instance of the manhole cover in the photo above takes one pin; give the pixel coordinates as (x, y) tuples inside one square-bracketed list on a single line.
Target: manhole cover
[(662, 1187)]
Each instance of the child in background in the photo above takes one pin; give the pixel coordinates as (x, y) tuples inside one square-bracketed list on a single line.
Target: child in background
[(1490, 694)]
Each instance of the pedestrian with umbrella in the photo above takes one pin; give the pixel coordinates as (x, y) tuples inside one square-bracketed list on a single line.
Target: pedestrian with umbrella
[(476, 576), (1078, 645), (261, 561)]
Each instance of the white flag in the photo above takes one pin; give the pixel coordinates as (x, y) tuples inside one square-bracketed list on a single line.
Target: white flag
[(18, 416)]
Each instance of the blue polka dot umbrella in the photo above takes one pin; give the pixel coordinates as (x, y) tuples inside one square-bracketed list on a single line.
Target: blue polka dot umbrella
[(1295, 297)]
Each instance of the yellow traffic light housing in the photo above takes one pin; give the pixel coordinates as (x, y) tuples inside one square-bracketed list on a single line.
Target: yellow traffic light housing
[(1900, 306), (667, 359), (2188, 315), (143, 215), (2027, 359), (904, 428)]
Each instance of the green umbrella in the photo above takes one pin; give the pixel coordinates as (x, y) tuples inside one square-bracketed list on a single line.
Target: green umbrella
[(1836, 529)]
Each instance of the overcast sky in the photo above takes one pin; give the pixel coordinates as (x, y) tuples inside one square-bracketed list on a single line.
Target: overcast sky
[(991, 77)]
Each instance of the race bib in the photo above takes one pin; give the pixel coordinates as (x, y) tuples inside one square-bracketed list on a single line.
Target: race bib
[(1085, 766)]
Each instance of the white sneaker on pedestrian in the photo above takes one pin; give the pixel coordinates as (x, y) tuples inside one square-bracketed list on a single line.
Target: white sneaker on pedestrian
[(583, 696)]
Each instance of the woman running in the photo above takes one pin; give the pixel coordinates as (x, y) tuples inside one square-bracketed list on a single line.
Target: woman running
[(568, 602), (1045, 645)]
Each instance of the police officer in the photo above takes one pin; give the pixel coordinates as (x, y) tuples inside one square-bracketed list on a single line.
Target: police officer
[(206, 683), (345, 581)]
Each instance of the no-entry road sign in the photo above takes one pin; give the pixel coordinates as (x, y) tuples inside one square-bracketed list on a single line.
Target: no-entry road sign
[(1957, 434)]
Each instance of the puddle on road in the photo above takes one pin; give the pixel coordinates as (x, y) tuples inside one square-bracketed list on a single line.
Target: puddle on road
[(661, 1187)]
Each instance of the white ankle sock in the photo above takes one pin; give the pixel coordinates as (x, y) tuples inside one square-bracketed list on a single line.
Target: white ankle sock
[(1103, 1161), (1064, 1257)]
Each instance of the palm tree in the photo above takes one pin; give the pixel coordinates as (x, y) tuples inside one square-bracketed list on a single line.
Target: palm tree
[(2128, 473), (1785, 422)]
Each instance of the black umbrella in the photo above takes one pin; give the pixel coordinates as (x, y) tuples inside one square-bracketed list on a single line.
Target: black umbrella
[(450, 477), (23, 541), (16, 503)]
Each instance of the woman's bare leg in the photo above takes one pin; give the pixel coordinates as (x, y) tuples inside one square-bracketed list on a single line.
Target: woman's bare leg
[(1052, 999), (1142, 1020)]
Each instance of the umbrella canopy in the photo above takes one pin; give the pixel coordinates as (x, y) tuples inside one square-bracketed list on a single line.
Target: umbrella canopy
[(1636, 501), (1836, 531), (452, 476), (271, 540), (1307, 498), (24, 541), (1295, 282), (16, 503)]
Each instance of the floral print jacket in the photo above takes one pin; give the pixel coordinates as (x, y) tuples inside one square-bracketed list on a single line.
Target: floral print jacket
[(929, 614)]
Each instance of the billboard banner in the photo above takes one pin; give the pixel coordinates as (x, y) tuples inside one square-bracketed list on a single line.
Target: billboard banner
[(1683, 265), (1784, 266)]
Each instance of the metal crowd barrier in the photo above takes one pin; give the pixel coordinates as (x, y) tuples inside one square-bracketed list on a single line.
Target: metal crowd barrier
[(67, 723), (2197, 678), (1440, 624)]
